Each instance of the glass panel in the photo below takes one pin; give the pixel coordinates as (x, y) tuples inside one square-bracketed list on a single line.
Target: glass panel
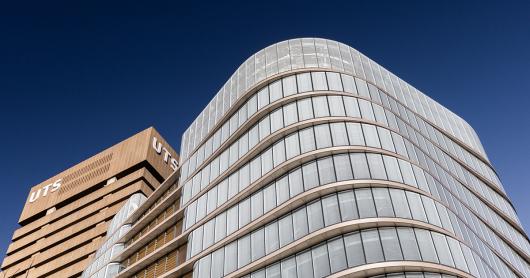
[(278, 152), (372, 246), (425, 242), (320, 261), (305, 109), (377, 169), (319, 81), (336, 106), (263, 97), (352, 107), (269, 194), (275, 90), (258, 244), (416, 206), (348, 206), (442, 249), (273, 271), (326, 171), (243, 252), (390, 242), (296, 183), (371, 136), (330, 206), (382, 202), (300, 223), (408, 244), (290, 114), (392, 168), (343, 167), (285, 225), (315, 217), (400, 204), (230, 252), (320, 104), (359, 165), (365, 203), (310, 175), (307, 140), (355, 134), (354, 249), (282, 190), (289, 85), (276, 120), (323, 136), (339, 134), (304, 265), (289, 268), (337, 255), (304, 82), (292, 146), (272, 241)]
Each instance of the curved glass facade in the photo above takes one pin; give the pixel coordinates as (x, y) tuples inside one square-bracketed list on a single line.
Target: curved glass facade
[(313, 161)]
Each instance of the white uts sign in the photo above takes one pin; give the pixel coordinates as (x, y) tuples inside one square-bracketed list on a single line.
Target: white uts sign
[(52, 187), (168, 159)]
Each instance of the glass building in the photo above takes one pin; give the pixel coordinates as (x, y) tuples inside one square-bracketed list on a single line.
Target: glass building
[(314, 161)]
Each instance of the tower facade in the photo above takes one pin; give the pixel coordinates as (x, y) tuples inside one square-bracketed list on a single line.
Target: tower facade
[(314, 161), (65, 218)]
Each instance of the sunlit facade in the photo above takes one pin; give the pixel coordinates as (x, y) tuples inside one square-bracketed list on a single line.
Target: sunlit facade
[(315, 161)]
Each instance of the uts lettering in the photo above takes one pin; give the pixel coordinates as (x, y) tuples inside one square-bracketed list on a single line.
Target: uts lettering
[(167, 156), (45, 189)]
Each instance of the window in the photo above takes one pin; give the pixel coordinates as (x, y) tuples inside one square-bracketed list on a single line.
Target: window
[(263, 97), (320, 261), (319, 81), (339, 134), (362, 87), (347, 205), (359, 165), (273, 271), (416, 206), (304, 265), (292, 146), (330, 206), (288, 268), (232, 220), (289, 85), (275, 90), (349, 84), (266, 161), (336, 106), (300, 225), (400, 204), (290, 113), (334, 81), (386, 139), (307, 140), (425, 242), (258, 244), (244, 212), (337, 255), (366, 110), (285, 225), (320, 104), (430, 210), (305, 109), (256, 205), (442, 249), (377, 169), (276, 120), (355, 133), (278, 152), (315, 217), (271, 238), (370, 134), (304, 82), (264, 127), (390, 242), (282, 190), (269, 197), (230, 252), (255, 169), (217, 263), (365, 203), (354, 249), (408, 244), (243, 251), (296, 183), (253, 136), (343, 167), (220, 226), (323, 136), (310, 175), (382, 202), (352, 107), (392, 168), (372, 246), (326, 171)]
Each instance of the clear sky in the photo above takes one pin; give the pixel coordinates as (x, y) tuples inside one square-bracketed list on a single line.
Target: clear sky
[(78, 78)]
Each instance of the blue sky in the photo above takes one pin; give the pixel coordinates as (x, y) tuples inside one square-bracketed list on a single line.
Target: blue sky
[(76, 78)]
